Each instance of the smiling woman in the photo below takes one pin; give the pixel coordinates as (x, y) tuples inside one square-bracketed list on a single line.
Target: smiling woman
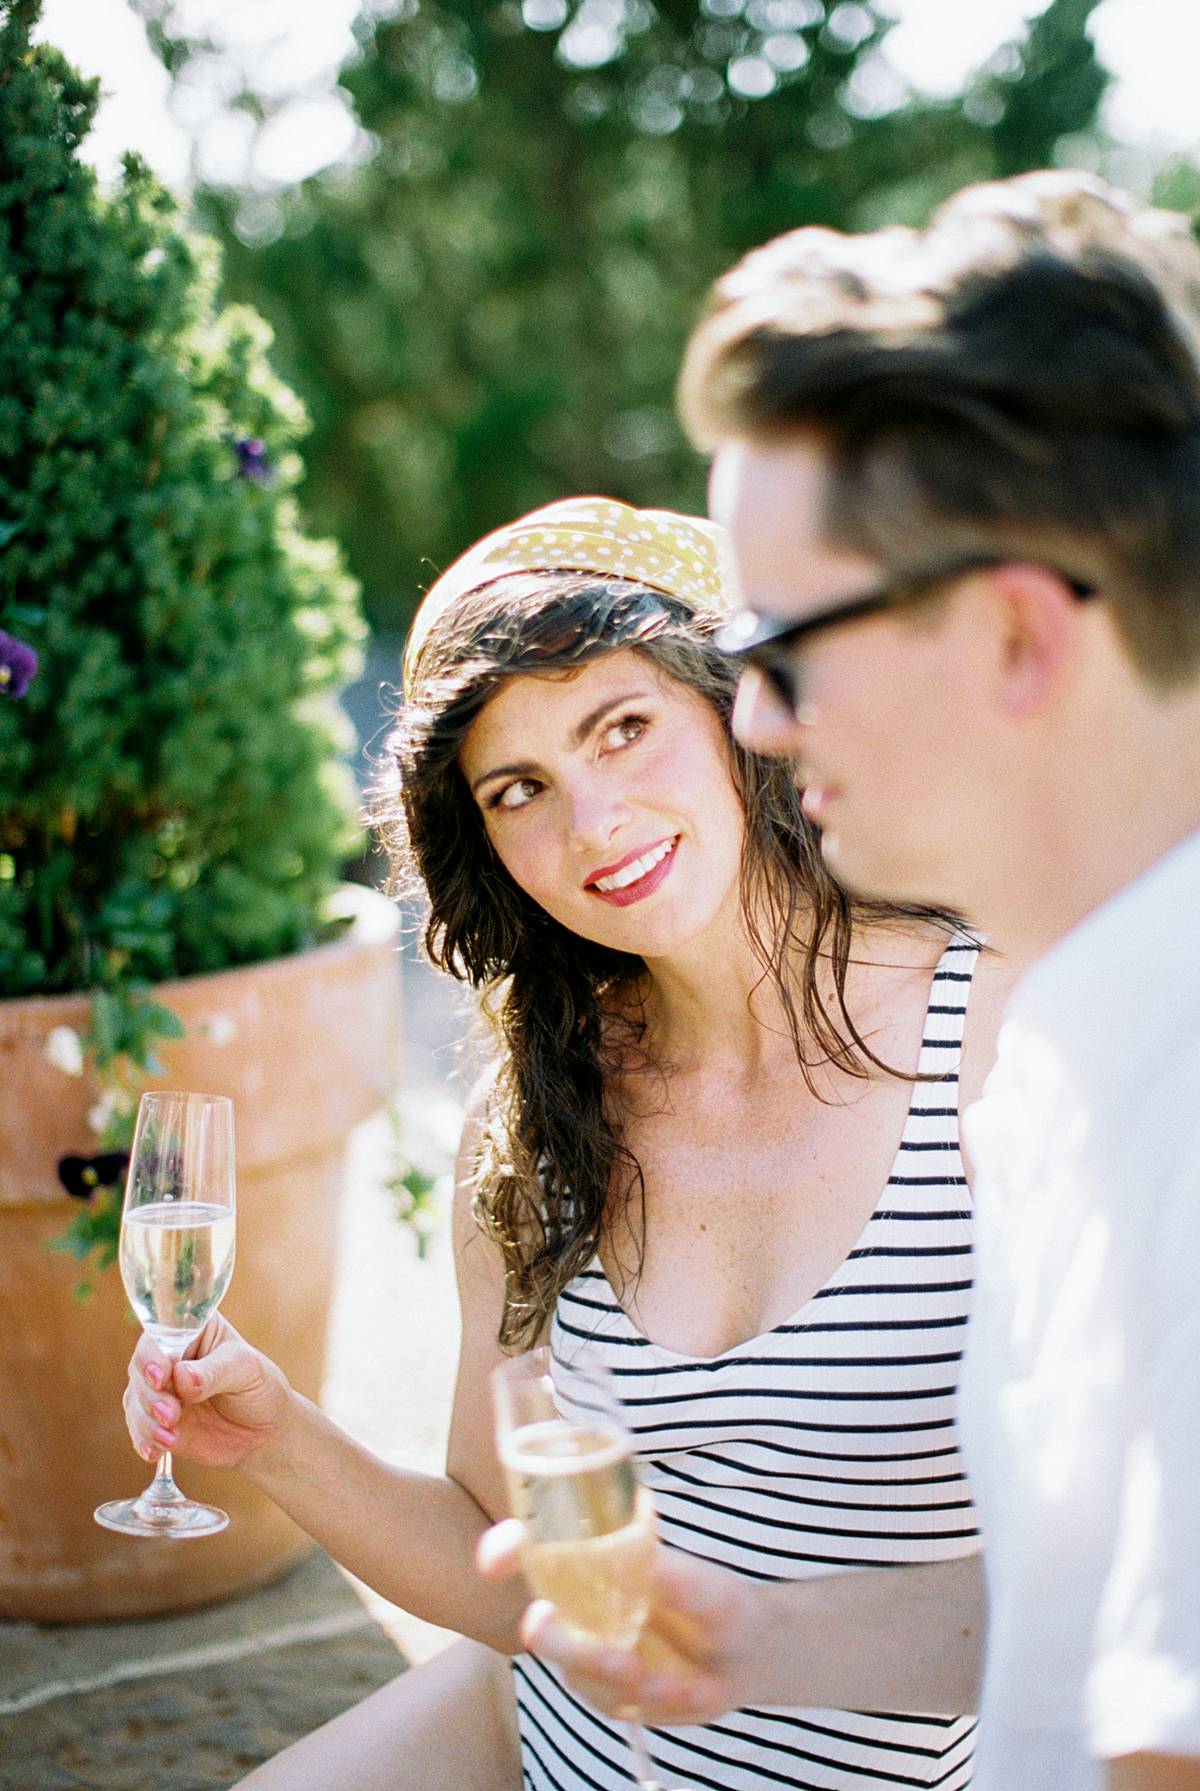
[(709, 1156), (624, 790), (694, 1025), (561, 724)]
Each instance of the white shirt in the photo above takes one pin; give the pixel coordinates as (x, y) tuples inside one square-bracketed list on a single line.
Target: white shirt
[(1081, 1388)]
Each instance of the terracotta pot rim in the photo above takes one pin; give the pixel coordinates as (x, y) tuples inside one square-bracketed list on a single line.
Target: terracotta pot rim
[(302, 1042), (373, 920)]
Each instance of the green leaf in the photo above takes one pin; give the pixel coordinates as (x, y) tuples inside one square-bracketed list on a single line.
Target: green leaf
[(106, 1034), (74, 1241), (162, 1021), (94, 1230)]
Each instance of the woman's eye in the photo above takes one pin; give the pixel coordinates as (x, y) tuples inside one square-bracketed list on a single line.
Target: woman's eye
[(516, 794), (625, 731)]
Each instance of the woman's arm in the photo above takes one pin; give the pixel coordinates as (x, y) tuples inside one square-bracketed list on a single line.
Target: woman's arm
[(899, 1638), (410, 1536)]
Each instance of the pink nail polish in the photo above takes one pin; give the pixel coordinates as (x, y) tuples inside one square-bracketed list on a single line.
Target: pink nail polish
[(154, 1374), (161, 1411)]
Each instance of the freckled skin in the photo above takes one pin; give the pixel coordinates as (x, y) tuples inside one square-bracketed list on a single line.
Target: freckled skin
[(653, 767)]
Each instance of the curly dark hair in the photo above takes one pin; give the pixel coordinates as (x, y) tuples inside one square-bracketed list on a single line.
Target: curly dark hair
[(565, 1009)]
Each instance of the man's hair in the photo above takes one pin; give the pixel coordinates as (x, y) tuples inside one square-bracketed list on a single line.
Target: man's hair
[(1021, 377)]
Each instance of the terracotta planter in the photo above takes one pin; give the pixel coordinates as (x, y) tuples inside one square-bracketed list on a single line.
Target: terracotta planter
[(306, 1046)]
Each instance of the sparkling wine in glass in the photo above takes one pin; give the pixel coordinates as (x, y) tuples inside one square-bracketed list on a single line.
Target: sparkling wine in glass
[(568, 1460), (176, 1257)]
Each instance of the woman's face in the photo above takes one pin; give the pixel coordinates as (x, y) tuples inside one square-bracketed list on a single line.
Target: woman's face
[(607, 794)]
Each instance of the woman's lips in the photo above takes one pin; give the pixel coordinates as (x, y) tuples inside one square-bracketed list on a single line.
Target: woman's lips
[(644, 886)]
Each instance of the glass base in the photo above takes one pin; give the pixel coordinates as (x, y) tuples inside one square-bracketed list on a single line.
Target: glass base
[(644, 1770), (180, 1519)]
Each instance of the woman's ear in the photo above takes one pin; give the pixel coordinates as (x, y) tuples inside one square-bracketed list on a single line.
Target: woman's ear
[(1038, 622)]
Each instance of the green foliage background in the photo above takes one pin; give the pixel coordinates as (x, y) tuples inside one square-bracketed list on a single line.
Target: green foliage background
[(487, 309), (171, 797)]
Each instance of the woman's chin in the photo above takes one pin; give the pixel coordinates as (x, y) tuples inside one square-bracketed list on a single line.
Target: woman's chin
[(661, 937)]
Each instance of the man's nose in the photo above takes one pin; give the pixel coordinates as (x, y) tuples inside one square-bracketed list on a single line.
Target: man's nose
[(762, 721)]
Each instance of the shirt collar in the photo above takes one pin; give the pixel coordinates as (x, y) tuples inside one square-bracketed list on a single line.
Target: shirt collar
[(1108, 988)]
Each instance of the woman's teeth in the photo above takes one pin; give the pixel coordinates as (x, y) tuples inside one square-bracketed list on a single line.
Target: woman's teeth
[(641, 867)]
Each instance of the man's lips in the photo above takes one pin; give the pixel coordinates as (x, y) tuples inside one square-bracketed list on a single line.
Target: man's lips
[(659, 859), (814, 798)]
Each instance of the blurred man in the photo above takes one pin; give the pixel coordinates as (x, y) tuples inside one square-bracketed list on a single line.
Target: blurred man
[(961, 468)]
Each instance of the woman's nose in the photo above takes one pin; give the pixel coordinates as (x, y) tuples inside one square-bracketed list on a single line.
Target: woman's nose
[(597, 815)]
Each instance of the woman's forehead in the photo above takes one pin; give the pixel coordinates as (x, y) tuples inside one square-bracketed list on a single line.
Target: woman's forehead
[(530, 703)]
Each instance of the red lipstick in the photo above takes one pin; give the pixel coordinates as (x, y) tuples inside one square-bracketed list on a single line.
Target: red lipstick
[(644, 886)]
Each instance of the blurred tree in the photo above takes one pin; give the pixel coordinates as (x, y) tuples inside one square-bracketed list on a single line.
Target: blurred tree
[(486, 309)]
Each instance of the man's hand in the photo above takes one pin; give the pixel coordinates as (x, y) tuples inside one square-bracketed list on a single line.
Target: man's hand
[(1154, 1772), (691, 1665)]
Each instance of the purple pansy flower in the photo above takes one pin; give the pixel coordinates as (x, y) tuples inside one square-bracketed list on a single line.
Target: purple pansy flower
[(18, 666), (253, 461), (81, 1176)]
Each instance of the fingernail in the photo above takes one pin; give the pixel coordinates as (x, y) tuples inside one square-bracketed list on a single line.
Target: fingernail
[(166, 1437), (146, 1452), (154, 1374)]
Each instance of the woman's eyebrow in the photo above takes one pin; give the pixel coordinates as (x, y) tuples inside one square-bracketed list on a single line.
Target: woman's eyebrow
[(579, 733), (522, 768)]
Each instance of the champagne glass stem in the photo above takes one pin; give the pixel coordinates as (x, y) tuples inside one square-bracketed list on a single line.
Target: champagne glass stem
[(162, 1490), (643, 1766)]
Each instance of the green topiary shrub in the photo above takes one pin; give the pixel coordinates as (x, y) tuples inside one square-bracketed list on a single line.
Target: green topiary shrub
[(171, 797)]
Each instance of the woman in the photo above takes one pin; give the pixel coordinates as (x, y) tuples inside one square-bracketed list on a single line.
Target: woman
[(708, 1064)]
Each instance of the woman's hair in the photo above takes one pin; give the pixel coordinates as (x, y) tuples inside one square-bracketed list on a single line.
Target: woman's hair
[(566, 1010)]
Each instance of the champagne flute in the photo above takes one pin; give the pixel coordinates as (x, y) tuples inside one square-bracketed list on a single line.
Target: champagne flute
[(176, 1256), (568, 1459)]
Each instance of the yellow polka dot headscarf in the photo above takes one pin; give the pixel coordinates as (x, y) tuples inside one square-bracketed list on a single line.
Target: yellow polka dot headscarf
[(684, 556)]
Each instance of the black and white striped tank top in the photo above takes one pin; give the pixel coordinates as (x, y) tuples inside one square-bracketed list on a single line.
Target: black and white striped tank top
[(826, 1444)]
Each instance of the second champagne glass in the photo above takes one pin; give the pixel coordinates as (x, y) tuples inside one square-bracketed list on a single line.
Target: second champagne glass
[(176, 1256), (568, 1460)]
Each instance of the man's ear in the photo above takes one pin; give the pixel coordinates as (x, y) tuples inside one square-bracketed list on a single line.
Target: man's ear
[(1038, 619)]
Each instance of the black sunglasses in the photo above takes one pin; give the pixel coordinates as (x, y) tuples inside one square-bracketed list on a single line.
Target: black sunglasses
[(770, 644)]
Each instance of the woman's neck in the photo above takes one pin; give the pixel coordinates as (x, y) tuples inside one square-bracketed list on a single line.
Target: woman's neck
[(714, 1003)]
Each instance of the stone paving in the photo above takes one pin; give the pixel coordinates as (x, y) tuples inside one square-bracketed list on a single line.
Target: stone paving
[(186, 1703), (193, 1702)]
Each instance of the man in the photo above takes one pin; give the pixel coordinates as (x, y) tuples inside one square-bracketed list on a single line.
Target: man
[(961, 468)]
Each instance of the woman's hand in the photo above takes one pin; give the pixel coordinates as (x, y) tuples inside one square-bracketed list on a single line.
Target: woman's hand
[(694, 1661), (223, 1404)]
